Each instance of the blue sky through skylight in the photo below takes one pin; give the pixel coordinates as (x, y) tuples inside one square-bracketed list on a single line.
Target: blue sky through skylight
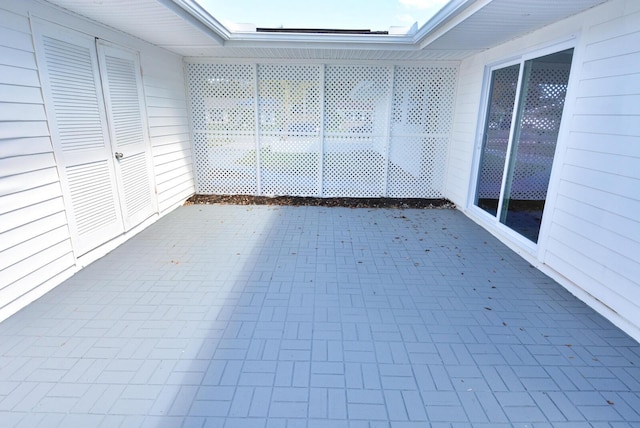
[(375, 15)]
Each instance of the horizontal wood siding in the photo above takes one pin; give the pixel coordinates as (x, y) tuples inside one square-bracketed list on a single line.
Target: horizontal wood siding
[(169, 129), (463, 133), (34, 239), (591, 230), (36, 252), (594, 236)]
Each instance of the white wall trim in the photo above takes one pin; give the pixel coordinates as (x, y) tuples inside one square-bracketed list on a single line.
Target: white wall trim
[(362, 62)]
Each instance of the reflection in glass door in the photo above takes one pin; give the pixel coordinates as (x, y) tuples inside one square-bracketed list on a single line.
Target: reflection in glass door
[(520, 140), (504, 85)]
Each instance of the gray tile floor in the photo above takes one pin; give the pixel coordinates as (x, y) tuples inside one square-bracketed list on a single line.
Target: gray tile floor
[(314, 317)]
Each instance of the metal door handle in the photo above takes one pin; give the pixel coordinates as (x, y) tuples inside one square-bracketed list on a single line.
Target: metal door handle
[(119, 155)]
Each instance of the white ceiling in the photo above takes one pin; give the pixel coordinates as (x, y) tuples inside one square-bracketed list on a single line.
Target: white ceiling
[(503, 20), (461, 29)]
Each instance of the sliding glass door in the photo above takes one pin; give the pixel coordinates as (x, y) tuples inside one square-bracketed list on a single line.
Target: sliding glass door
[(525, 107)]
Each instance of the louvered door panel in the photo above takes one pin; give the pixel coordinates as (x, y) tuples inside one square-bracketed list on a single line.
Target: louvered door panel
[(90, 192), (71, 86), (123, 91), (122, 88), (73, 90), (137, 195)]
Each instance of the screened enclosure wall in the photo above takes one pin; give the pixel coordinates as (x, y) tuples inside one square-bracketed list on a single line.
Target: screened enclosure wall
[(321, 129)]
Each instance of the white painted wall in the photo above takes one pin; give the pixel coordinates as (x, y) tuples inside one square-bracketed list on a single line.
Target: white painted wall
[(168, 127), (35, 247), (590, 236)]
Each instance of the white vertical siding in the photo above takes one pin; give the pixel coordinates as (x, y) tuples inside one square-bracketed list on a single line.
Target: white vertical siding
[(590, 238), (35, 247), (36, 252), (169, 128)]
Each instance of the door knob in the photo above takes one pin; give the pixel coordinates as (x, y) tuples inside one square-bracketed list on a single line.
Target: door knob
[(119, 155)]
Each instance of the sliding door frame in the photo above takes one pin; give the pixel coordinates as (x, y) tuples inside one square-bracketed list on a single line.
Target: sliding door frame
[(492, 222)]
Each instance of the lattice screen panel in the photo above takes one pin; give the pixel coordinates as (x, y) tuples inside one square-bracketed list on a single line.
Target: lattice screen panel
[(422, 113), (290, 120), (417, 167), (356, 124), (361, 131), (224, 126), (354, 167)]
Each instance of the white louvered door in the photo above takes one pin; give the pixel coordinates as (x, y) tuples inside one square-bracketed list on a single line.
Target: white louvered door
[(68, 64), (122, 88), (95, 109)]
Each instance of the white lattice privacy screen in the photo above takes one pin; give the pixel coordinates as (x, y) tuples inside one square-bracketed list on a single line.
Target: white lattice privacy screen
[(321, 130)]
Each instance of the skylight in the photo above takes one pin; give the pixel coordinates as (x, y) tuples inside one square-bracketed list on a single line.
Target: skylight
[(375, 16)]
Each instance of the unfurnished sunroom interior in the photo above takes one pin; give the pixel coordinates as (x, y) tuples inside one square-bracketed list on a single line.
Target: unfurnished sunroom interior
[(522, 113)]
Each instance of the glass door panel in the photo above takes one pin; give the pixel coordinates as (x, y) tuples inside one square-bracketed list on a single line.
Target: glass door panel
[(518, 148), (544, 86), (502, 95)]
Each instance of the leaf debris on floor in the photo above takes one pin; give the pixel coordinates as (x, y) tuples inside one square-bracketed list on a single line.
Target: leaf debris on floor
[(348, 202)]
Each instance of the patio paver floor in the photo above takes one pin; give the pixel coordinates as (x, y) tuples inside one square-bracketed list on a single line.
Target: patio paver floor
[(262, 316)]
